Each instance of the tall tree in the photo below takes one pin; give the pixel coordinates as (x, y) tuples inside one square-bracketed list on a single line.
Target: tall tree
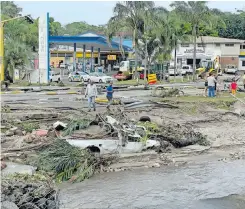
[(197, 14), (130, 13)]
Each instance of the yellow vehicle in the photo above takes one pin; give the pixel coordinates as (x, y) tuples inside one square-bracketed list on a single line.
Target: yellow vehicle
[(129, 66), (209, 66)]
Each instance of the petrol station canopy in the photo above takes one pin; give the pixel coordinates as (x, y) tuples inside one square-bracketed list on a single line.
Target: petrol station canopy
[(89, 40)]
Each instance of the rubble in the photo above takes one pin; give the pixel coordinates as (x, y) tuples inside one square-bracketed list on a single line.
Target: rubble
[(28, 192)]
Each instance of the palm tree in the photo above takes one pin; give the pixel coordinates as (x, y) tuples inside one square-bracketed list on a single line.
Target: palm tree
[(178, 32), (129, 14), (196, 13)]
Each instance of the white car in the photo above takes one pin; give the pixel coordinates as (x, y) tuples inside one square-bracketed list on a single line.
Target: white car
[(100, 78), (231, 69), (171, 71), (54, 76), (78, 76), (187, 68)]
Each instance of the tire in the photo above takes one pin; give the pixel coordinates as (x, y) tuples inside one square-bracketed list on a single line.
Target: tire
[(145, 119), (51, 80), (69, 79), (100, 81)]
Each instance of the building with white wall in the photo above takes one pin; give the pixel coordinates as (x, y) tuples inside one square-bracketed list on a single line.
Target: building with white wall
[(242, 57), (230, 51)]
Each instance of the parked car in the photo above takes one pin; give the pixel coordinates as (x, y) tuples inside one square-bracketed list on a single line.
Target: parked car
[(231, 69), (120, 76), (171, 71), (78, 76), (182, 72), (54, 76), (100, 78), (187, 68)]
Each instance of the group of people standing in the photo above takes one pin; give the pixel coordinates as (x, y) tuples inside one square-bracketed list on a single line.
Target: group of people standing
[(212, 85), (91, 93)]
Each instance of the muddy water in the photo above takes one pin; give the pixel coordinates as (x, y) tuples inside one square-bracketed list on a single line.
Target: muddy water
[(202, 186)]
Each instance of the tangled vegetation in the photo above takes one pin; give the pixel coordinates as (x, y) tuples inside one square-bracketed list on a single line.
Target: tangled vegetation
[(68, 162), (76, 124)]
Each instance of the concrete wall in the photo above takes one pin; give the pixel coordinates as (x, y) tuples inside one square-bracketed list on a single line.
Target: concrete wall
[(230, 50), (209, 51)]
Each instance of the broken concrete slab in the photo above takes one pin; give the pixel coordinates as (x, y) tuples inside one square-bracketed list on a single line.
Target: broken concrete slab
[(13, 168)]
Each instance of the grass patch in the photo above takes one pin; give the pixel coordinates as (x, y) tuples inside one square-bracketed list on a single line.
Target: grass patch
[(194, 102), (29, 127)]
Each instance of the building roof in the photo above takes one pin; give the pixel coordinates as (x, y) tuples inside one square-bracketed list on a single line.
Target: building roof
[(211, 39), (89, 39)]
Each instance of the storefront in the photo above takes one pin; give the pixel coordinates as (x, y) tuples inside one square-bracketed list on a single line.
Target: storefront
[(242, 61), (185, 55)]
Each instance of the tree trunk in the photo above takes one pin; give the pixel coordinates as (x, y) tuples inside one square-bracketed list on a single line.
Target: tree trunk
[(194, 52), (146, 61), (175, 60)]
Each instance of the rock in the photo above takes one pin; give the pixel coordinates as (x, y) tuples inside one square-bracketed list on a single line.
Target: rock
[(9, 133), (8, 205), (14, 129), (3, 165), (24, 132), (51, 133), (28, 138), (18, 132), (51, 204)]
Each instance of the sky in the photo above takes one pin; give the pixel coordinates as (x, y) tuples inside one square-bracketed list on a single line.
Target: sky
[(96, 12)]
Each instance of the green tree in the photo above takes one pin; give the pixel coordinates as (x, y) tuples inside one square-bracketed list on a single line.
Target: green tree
[(197, 14), (235, 25), (130, 13), (10, 9)]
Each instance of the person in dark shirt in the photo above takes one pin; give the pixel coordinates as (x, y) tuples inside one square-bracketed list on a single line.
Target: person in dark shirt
[(109, 94)]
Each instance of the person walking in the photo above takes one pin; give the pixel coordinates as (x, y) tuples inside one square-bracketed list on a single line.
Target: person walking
[(109, 94), (206, 86), (91, 93), (211, 85)]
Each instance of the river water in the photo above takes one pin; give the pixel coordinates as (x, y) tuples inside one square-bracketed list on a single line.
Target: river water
[(208, 185)]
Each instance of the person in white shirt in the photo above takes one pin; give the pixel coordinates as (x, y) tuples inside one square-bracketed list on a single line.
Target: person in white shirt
[(91, 93), (211, 85)]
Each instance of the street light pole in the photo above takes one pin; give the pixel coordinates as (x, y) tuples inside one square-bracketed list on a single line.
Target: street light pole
[(29, 20)]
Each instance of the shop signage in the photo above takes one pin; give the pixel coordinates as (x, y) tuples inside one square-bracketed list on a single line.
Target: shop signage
[(187, 51), (111, 57)]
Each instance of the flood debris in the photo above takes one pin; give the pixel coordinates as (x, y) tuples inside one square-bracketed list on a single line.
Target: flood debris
[(68, 162), (22, 191), (160, 91)]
